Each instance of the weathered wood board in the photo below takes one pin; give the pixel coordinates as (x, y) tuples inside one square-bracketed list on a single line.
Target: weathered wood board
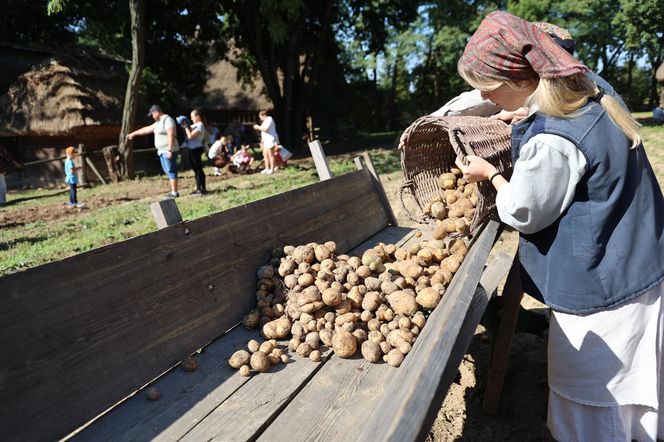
[(95, 327)]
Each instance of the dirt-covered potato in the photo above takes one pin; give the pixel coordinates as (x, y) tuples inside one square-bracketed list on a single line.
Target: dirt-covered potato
[(447, 181), (428, 298), (332, 297), (189, 363), (304, 350), (371, 351), (344, 344), (403, 303), (315, 356), (259, 362), (303, 254), (451, 263), (410, 268), (266, 347), (253, 346), (277, 329), (326, 337), (239, 358), (394, 357), (438, 210), (153, 393)]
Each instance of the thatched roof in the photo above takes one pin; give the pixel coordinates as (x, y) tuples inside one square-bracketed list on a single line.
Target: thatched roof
[(62, 93), (660, 73), (224, 91)]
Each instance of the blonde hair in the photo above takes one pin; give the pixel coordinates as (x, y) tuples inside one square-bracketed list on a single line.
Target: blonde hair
[(562, 97)]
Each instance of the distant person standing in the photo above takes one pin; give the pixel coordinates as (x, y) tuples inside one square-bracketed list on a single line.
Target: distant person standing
[(71, 178), (6, 161), (269, 140), (195, 145), (165, 142)]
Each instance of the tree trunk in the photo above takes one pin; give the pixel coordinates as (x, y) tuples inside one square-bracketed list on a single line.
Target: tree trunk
[(654, 99), (630, 74), (125, 147)]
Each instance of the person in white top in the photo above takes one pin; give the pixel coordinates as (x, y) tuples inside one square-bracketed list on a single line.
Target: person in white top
[(165, 142), (269, 140), (606, 364), (195, 147)]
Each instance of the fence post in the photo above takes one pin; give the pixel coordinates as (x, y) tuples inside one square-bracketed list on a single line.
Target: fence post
[(81, 163), (322, 165), (166, 213), (368, 164)]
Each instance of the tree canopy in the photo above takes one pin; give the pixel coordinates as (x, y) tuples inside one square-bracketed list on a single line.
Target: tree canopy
[(372, 64)]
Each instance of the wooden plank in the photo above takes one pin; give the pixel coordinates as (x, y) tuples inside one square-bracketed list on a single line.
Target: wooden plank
[(389, 235), (334, 403), (409, 404), (107, 321), (245, 414), (80, 162), (92, 166), (379, 186), (186, 397), (320, 160), (166, 213), (511, 298), (496, 270)]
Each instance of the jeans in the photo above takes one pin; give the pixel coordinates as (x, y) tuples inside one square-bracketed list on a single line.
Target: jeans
[(72, 194), (197, 165), (169, 166), (3, 189)]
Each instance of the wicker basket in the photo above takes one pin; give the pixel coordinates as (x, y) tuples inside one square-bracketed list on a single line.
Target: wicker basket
[(432, 145)]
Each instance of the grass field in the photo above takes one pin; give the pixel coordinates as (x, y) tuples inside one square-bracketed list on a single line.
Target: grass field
[(36, 228)]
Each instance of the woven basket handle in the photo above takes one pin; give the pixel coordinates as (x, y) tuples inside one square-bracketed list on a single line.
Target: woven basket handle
[(456, 137)]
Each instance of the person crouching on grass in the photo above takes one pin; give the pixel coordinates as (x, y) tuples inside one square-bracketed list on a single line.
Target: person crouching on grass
[(165, 142), (590, 214), (71, 178)]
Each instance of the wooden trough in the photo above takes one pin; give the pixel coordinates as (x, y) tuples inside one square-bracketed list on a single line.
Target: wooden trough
[(81, 337)]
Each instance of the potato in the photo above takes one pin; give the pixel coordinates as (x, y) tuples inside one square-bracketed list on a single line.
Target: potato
[(285, 359), (363, 271), (385, 329), (239, 358), (404, 323), (251, 320), (388, 314), (313, 340), (438, 210), (343, 307), (245, 370), (326, 337), (373, 324), (303, 254), (315, 356), (418, 319), (153, 393), (388, 287), (266, 347), (290, 281), (372, 284), (304, 350), (459, 247), (401, 254), (360, 335), (371, 260), (322, 253), (402, 303), (189, 363), (287, 267), (259, 362), (371, 301), (293, 344), (385, 347), (253, 346), (414, 248), (347, 327), (274, 359), (394, 357), (331, 297), (366, 316), (277, 329), (312, 307), (375, 336), (428, 298), (305, 280), (345, 318), (442, 276), (451, 263), (447, 181), (371, 351), (410, 269), (355, 297), (344, 344), (288, 250), (277, 352), (331, 246)]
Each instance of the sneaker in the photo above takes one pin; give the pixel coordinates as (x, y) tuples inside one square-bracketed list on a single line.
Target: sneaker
[(80, 205), (269, 171), (71, 206), (173, 194), (264, 171), (217, 173)]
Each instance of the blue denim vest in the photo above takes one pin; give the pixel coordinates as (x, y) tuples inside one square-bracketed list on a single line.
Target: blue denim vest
[(608, 246)]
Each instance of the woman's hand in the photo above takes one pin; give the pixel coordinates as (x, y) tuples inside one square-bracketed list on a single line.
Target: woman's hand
[(476, 169), (511, 117), (130, 136)]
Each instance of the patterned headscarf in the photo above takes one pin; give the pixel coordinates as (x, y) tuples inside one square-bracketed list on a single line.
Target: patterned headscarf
[(506, 47)]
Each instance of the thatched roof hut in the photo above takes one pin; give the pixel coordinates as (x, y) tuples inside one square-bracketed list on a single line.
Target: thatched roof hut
[(224, 91), (58, 93)]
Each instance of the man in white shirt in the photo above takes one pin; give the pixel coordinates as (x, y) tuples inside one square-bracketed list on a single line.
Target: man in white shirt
[(269, 140)]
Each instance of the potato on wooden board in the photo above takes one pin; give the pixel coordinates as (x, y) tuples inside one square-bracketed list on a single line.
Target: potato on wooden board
[(253, 346), (428, 298), (259, 362), (153, 393), (315, 356), (285, 359), (403, 303), (344, 344), (322, 252), (459, 247), (410, 269), (394, 357), (189, 363), (385, 347), (304, 254), (266, 347), (326, 337), (239, 358), (375, 336), (252, 319), (304, 350), (371, 351), (245, 370), (451, 263), (277, 329)]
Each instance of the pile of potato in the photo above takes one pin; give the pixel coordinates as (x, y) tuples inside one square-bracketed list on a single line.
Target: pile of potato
[(454, 207), (377, 303)]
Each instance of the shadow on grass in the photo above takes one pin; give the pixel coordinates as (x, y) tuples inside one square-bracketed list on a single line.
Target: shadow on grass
[(649, 121), (30, 240), (30, 198)]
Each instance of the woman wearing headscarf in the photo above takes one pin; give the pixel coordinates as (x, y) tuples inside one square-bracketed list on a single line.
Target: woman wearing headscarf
[(591, 219)]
